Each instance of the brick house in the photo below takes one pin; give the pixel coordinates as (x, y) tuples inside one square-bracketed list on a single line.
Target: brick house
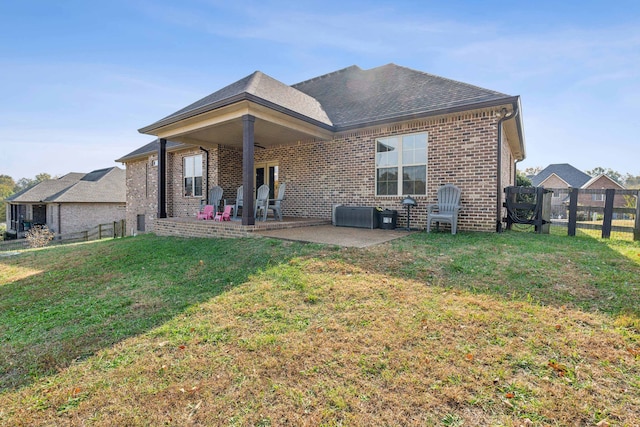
[(353, 137), (72, 203), (564, 176), (560, 176), (597, 200)]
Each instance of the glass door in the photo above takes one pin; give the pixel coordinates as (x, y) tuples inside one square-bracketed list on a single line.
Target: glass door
[(267, 173)]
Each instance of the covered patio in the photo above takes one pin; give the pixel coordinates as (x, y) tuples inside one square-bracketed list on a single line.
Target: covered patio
[(257, 112)]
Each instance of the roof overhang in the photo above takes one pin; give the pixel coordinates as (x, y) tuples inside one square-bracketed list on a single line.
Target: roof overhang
[(222, 124), (514, 131)]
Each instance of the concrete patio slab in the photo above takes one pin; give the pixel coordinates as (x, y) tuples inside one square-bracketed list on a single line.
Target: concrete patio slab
[(339, 236)]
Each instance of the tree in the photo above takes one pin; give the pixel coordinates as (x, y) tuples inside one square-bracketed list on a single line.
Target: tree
[(26, 182), (7, 186), (522, 180), (614, 175), (632, 182), (531, 171)]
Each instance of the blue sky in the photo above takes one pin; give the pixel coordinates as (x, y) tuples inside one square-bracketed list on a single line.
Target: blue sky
[(78, 78)]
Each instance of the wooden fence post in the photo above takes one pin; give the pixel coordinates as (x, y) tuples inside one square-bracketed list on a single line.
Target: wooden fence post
[(608, 212), (636, 228), (573, 211)]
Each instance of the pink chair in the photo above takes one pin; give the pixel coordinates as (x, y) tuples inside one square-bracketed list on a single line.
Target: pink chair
[(207, 212), (224, 215)]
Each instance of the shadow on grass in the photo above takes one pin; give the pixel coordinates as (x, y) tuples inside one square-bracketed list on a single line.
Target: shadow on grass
[(71, 302), (67, 303)]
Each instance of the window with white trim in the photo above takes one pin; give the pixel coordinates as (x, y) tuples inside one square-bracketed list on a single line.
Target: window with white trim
[(401, 165), (193, 176)]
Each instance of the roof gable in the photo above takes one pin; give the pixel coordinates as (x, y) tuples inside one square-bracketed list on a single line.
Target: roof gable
[(598, 180), (255, 87), (550, 177), (569, 174)]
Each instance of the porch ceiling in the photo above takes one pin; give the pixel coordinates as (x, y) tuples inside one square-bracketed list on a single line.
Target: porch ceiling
[(224, 126)]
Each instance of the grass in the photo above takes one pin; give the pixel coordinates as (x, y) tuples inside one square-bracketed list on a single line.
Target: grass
[(472, 329)]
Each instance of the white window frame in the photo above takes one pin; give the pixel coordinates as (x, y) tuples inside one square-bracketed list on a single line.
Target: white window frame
[(399, 165), (192, 169)]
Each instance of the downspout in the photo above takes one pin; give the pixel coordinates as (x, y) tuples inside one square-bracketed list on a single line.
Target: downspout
[(59, 220), (515, 171), (207, 169), (504, 117)]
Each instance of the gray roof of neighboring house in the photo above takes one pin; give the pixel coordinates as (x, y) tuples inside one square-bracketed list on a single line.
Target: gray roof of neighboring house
[(350, 97), (100, 186), (149, 148), (572, 176)]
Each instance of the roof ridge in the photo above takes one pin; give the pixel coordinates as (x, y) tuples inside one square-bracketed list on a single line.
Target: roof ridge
[(254, 81), (343, 70), (445, 78)]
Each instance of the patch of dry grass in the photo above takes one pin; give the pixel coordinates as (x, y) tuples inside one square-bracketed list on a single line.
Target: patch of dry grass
[(330, 338)]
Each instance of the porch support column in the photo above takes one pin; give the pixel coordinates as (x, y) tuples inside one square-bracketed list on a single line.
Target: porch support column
[(247, 169), (162, 178)]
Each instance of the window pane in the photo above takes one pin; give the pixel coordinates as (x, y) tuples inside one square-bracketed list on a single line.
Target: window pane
[(414, 180), (414, 149), (387, 152), (197, 191), (188, 186), (188, 167), (387, 181), (197, 160)]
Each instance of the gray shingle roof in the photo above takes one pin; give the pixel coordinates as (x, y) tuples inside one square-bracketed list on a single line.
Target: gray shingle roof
[(149, 148), (100, 186), (256, 87), (40, 191), (572, 176), (349, 97), (353, 96)]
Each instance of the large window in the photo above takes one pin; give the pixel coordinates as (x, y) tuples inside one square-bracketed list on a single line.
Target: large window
[(193, 176), (401, 165)]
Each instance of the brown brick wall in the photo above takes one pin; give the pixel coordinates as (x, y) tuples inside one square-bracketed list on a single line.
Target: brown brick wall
[(319, 174), (75, 217), (601, 183)]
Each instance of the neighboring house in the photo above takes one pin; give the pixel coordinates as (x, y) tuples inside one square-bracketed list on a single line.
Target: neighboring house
[(72, 203), (564, 176), (560, 176), (354, 137), (597, 200)]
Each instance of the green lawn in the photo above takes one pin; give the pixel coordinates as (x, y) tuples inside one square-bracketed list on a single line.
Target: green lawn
[(472, 329)]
